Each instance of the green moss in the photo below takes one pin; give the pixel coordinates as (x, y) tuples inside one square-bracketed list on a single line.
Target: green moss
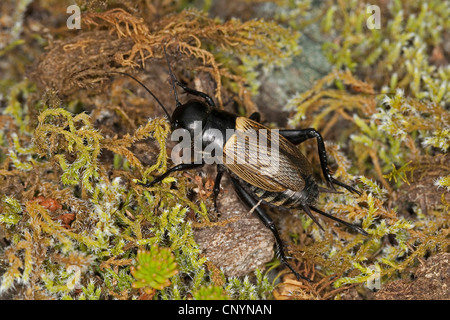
[(386, 136), (81, 139), (396, 55), (244, 289), (10, 213)]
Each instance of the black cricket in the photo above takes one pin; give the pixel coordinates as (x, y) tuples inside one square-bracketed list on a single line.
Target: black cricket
[(293, 187)]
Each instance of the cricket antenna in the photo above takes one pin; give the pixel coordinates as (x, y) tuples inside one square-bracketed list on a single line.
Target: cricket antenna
[(148, 90), (173, 80)]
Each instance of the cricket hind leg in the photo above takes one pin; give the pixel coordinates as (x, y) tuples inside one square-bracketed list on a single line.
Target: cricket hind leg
[(301, 135), (180, 167)]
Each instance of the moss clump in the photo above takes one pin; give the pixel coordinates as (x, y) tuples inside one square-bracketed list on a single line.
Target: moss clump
[(210, 293), (390, 139), (406, 52), (70, 155)]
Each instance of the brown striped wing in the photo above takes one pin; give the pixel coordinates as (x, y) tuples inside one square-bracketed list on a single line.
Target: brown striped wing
[(255, 162)]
